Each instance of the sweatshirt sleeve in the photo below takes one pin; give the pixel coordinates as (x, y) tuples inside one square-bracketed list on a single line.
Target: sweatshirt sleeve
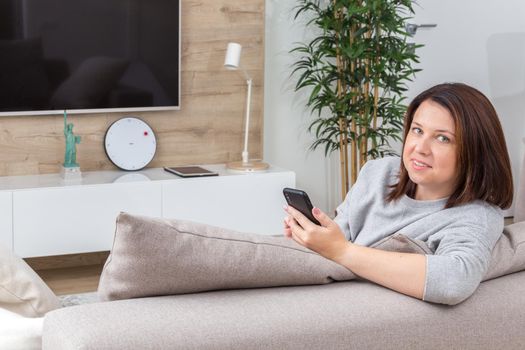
[(341, 218), (462, 257), (359, 193)]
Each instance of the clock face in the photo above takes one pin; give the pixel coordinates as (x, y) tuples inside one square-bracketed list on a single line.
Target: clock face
[(130, 143)]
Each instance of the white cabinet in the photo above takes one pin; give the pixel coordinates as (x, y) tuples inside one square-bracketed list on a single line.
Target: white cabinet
[(249, 203), (41, 215), (55, 221), (6, 219)]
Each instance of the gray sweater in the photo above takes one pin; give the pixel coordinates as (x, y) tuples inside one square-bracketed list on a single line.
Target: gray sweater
[(461, 237)]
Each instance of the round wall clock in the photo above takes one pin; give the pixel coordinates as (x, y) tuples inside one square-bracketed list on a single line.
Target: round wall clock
[(130, 143)]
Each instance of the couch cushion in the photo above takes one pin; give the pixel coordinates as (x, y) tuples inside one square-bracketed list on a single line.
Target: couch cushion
[(342, 315), (153, 256), (158, 257), (398, 242), (21, 290), (508, 255)]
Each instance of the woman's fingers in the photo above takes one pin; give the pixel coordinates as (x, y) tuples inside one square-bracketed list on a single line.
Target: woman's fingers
[(287, 230), (297, 238), (299, 217), (298, 233), (323, 219), (292, 223)]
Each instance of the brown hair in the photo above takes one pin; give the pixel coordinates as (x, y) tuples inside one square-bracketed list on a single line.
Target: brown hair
[(484, 170)]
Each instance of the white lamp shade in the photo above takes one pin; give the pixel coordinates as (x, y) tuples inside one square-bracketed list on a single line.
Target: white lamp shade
[(233, 56)]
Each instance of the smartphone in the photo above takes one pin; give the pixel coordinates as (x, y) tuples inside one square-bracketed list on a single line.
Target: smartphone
[(190, 171), (300, 201)]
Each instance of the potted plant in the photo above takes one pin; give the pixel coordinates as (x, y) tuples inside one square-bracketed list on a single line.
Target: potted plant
[(356, 70)]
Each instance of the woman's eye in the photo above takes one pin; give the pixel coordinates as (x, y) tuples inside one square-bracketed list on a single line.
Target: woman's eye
[(417, 131), (444, 139)]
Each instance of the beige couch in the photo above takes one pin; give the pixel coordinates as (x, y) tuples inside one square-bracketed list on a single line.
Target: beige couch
[(343, 315), (163, 257)]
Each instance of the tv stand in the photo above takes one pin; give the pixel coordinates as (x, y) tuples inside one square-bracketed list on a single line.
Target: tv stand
[(43, 215)]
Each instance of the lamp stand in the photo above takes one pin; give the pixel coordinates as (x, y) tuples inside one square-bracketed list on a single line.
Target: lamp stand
[(247, 165)]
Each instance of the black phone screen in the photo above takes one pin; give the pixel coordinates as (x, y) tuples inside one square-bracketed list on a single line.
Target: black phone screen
[(300, 201)]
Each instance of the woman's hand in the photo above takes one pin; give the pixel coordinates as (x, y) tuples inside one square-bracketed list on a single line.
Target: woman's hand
[(328, 240)]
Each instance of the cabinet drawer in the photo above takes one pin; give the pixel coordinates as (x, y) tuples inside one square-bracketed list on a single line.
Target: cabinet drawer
[(248, 203), (79, 219), (6, 219)]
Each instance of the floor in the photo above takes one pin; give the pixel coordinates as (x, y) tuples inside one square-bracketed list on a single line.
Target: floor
[(70, 274), (72, 280), (79, 279)]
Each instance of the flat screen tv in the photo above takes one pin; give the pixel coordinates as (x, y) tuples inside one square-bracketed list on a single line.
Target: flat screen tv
[(89, 56)]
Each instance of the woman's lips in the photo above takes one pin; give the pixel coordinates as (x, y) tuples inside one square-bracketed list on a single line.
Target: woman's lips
[(419, 165)]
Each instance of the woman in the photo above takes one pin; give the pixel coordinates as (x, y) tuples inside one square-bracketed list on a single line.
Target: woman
[(447, 190)]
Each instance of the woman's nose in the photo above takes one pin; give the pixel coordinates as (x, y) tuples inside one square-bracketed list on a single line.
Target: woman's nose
[(423, 146)]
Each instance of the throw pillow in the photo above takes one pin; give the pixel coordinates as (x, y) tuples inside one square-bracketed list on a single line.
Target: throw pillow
[(398, 242), (508, 255), (21, 290), (161, 257), (90, 83)]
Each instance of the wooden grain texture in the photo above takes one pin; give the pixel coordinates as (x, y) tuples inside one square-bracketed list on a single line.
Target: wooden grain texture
[(69, 260), (72, 280), (208, 128)]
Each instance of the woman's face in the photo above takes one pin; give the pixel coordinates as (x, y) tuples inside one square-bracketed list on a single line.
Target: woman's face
[(430, 152)]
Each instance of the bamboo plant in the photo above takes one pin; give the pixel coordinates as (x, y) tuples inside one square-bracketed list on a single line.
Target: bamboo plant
[(356, 70)]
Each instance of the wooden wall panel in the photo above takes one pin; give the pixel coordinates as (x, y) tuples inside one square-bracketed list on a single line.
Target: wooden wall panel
[(208, 128)]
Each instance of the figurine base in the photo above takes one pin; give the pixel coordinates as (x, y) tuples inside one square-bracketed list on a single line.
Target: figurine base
[(70, 174)]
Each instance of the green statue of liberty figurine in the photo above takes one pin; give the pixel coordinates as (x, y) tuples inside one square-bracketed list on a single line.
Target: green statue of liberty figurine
[(70, 158)]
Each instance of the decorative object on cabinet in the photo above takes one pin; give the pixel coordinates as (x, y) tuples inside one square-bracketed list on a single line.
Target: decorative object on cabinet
[(70, 169), (130, 143), (232, 62)]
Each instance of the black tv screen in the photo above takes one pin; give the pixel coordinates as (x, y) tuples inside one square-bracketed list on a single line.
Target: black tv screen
[(89, 55)]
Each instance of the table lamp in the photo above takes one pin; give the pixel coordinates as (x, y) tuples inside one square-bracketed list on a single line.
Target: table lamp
[(232, 62)]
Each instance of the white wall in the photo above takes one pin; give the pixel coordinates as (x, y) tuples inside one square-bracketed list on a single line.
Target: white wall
[(479, 42), (286, 141)]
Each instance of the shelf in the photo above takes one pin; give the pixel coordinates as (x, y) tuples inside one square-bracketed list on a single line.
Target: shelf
[(12, 183), (42, 215)]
